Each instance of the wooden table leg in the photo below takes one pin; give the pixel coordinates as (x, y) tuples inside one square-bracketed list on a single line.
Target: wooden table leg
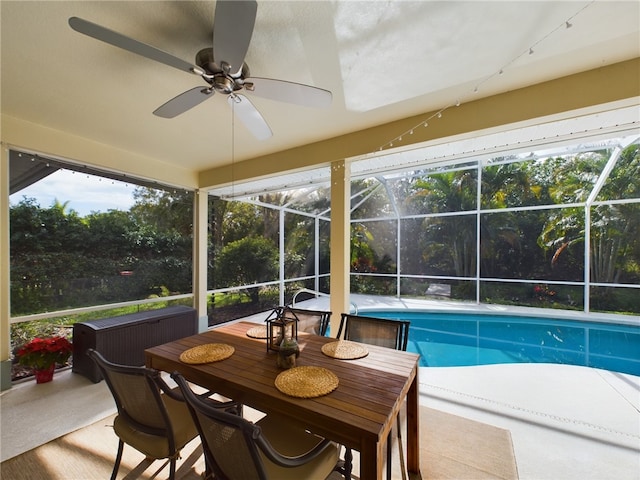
[(413, 427), (371, 461)]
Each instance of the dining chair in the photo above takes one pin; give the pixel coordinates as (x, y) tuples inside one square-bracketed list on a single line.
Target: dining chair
[(152, 417), (237, 449), (385, 333), (310, 321)]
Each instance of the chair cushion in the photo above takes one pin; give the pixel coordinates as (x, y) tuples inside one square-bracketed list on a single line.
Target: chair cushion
[(155, 446), (181, 420), (292, 441)]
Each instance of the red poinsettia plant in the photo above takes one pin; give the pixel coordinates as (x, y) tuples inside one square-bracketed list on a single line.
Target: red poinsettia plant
[(41, 353)]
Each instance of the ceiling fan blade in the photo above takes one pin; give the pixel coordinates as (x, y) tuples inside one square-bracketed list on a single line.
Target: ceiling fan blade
[(232, 30), (184, 102), (121, 41), (249, 116), (289, 92)]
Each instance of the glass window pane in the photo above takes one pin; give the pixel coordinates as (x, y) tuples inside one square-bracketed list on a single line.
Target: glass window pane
[(369, 199), (299, 245), (615, 243), (325, 239), (315, 200), (245, 239), (292, 288), (372, 284), (542, 181), (438, 289), (452, 191), (533, 244), (373, 246), (615, 300), (541, 295), (513, 185), (242, 302), (623, 181), (442, 245)]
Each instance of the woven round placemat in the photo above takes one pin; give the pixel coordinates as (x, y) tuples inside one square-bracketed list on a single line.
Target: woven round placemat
[(258, 332), (306, 382), (209, 352), (345, 350)]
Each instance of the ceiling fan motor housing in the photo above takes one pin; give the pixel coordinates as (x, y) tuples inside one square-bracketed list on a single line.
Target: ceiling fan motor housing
[(216, 76)]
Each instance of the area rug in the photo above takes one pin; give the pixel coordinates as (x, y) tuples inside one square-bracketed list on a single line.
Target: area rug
[(456, 448), (89, 453), (452, 447)]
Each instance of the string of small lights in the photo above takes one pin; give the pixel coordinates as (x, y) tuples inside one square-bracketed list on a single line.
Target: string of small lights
[(565, 25)]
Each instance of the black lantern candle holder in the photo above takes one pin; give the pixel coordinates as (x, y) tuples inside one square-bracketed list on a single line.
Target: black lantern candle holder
[(281, 325)]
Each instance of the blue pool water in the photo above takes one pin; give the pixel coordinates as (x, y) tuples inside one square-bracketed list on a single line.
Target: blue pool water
[(459, 339)]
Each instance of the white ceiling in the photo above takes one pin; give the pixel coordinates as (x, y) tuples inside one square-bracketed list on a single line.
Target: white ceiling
[(383, 60)]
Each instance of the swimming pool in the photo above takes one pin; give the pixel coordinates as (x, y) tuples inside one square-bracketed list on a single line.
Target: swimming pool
[(462, 339)]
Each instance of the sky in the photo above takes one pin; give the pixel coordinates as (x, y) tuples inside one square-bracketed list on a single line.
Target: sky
[(85, 193)]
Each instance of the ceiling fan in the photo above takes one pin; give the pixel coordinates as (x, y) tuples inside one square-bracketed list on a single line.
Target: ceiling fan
[(221, 66)]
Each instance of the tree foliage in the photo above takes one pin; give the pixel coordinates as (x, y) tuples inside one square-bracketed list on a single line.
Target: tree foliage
[(60, 260), (247, 261)]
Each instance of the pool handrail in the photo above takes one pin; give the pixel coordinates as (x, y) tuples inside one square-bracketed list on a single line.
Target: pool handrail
[(318, 294)]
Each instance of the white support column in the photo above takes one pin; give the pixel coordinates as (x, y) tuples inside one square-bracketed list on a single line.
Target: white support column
[(478, 230), (316, 254), (200, 256), (5, 308), (281, 255), (340, 241)]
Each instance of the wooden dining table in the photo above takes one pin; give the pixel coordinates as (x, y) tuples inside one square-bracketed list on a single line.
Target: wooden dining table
[(359, 413)]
